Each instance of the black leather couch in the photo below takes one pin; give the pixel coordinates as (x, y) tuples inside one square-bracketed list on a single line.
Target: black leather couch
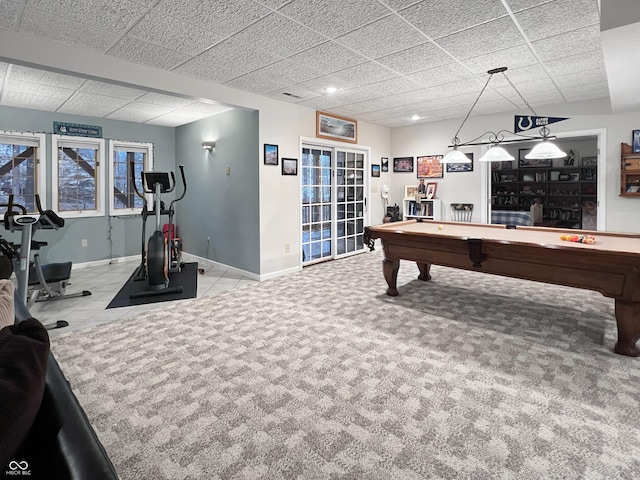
[(61, 444)]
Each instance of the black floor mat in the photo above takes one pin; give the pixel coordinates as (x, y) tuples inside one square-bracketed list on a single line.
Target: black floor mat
[(188, 278)]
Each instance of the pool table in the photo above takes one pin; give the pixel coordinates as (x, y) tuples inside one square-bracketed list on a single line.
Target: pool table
[(610, 266)]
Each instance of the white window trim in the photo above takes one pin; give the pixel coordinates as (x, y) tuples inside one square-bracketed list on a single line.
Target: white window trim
[(100, 180), (113, 144), (39, 140)]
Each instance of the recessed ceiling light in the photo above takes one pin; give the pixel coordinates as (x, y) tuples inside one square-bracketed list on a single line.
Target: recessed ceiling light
[(331, 89), (415, 117)]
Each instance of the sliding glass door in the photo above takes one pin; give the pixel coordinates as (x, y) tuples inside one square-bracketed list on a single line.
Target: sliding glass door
[(333, 202)]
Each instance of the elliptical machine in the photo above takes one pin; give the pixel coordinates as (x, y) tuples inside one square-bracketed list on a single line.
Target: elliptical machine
[(158, 254)]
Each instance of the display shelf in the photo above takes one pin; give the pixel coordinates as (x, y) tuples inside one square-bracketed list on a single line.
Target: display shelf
[(562, 191), (629, 172), (426, 208)]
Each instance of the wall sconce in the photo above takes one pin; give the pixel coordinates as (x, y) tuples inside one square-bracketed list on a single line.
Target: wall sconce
[(208, 145)]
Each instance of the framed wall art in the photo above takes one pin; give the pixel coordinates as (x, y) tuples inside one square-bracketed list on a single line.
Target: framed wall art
[(429, 166), (375, 170), (384, 162), (289, 166), (461, 167), (335, 127), (270, 154), (534, 162), (635, 138), (403, 164)]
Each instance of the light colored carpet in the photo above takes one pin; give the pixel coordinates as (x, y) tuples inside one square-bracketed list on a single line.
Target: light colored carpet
[(320, 375)]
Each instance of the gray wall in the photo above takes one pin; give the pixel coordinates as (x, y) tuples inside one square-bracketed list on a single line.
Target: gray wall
[(106, 237), (220, 207)]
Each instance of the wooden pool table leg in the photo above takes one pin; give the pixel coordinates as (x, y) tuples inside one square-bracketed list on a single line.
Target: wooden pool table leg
[(628, 320), (390, 269), (424, 271)]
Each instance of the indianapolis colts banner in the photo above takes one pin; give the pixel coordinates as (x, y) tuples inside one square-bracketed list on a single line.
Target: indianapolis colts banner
[(523, 123)]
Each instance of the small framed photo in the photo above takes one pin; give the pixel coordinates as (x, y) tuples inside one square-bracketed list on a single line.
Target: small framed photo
[(384, 161), (403, 164), (431, 190), (270, 154), (636, 141), (375, 170), (289, 166), (410, 191), (589, 161), (335, 127), (429, 166), (461, 167)]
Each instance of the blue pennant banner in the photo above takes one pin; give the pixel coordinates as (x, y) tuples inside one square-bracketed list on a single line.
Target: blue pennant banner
[(523, 123), (62, 128)]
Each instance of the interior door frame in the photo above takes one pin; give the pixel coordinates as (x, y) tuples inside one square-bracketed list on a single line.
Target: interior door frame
[(331, 144), (601, 141)]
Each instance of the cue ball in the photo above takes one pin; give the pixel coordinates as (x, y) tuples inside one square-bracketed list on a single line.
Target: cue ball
[(440, 227)]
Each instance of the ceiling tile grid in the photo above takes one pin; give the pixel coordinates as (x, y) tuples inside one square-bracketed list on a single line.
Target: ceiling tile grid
[(100, 105), (388, 58)]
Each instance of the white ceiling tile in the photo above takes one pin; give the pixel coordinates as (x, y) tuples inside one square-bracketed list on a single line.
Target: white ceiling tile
[(280, 36), (139, 112), (111, 90), (482, 39), (513, 57), (567, 44), (256, 82), (383, 37), (47, 103), (43, 77), (272, 3), (20, 86), (348, 110), (588, 92), (587, 77), (391, 87), (439, 75), (319, 84), (324, 102), (10, 14), (517, 5), (204, 69), (237, 58), (521, 76), (467, 99), (99, 105), (3, 68), (223, 17), (364, 74), (438, 18), (458, 87), (334, 17), (414, 59), (329, 57), (66, 31), (484, 107), (558, 17), (289, 73), (576, 63), (177, 118), (174, 34), (166, 100), (116, 15), (400, 4), (137, 51)]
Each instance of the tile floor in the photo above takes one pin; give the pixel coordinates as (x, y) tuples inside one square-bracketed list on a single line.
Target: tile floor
[(105, 281)]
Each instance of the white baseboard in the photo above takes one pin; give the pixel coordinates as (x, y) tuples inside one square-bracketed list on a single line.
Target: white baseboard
[(106, 261)]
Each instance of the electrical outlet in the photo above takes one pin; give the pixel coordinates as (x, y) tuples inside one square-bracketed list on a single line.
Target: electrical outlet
[(287, 248), (84, 242)]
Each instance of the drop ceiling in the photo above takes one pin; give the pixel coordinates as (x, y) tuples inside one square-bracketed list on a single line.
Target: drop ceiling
[(389, 59)]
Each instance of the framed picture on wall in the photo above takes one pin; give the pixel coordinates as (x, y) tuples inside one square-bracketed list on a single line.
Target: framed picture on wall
[(335, 127), (636, 141), (461, 167), (270, 154), (289, 166), (534, 162), (403, 164), (375, 170), (429, 166), (384, 161)]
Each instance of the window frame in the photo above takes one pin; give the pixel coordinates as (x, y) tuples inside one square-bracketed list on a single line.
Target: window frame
[(40, 141), (79, 142), (147, 167)]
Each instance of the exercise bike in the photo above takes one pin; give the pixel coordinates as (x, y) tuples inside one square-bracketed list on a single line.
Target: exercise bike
[(162, 254), (36, 282)]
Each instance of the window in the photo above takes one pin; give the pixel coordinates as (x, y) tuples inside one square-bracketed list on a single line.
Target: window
[(21, 171), (77, 176), (123, 199)]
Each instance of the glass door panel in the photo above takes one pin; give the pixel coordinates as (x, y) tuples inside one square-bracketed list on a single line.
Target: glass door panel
[(317, 229), (350, 202)]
